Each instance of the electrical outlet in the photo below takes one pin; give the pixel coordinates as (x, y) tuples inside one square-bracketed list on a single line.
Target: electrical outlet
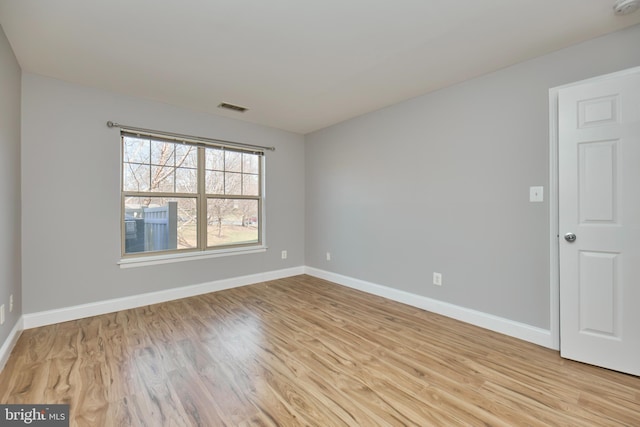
[(284, 254), (2, 314), (328, 256), (10, 303), (437, 279)]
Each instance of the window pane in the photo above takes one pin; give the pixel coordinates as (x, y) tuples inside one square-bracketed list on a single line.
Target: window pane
[(233, 183), (232, 222), (214, 159), (232, 161), (214, 182), (162, 153), (136, 150), (162, 178), (250, 163), (186, 180), (186, 156), (135, 177), (250, 185), (153, 224)]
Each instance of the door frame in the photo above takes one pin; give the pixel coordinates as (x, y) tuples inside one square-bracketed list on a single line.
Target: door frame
[(554, 208)]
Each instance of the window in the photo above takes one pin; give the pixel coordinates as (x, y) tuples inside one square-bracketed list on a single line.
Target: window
[(180, 196)]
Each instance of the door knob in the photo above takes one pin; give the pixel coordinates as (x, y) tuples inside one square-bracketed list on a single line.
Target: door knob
[(570, 237)]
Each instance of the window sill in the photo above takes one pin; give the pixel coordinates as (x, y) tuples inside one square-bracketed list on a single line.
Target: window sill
[(190, 256)]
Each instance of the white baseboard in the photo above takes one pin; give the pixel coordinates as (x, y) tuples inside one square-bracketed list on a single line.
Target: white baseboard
[(504, 326), (519, 330), (34, 320), (10, 342)]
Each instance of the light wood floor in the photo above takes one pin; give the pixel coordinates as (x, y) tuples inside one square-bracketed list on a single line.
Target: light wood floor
[(303, 351)]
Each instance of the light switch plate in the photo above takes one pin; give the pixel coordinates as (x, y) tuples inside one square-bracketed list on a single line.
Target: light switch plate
[(536, 194)]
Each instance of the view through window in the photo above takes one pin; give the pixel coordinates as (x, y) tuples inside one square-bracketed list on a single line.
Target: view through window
[(184, 196)]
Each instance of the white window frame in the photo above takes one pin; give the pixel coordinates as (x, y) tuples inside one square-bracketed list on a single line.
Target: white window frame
[(201, 250)]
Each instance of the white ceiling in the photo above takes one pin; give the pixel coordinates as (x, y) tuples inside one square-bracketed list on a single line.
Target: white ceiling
[(298, 65)]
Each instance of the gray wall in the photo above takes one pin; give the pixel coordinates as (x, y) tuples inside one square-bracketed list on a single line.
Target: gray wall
[(10, 246), (437, 183), (440, 183), (71, 200)]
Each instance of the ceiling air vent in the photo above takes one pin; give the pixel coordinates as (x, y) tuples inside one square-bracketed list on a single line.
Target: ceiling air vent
[(232, 107)]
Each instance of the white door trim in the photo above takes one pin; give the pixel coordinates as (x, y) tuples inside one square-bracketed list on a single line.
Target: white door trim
[(554, 232), (554, 250)]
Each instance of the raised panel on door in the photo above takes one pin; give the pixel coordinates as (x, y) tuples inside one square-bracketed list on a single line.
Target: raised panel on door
[(597, 169), (599, 294)]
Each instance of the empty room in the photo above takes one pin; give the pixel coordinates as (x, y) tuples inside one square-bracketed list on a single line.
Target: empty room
[(320, 213)]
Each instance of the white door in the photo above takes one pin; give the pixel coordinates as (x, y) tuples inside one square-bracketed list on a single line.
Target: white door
[(599, 203)]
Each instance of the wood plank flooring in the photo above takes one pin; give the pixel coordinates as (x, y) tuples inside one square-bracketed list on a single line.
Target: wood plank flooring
[(303, 351)]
